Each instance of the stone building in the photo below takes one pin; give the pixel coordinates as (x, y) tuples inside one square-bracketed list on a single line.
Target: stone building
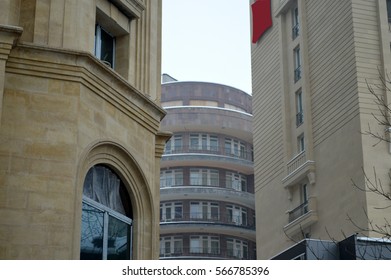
[(206, 178), (80, 144), (312, 69)]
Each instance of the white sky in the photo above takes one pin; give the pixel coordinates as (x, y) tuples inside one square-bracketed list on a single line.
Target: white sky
[(207, 40)]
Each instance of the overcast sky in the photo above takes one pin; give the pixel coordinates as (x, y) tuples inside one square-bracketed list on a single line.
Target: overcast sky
[(207, 40)]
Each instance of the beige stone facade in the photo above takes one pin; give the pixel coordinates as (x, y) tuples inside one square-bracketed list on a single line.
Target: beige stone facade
[(311, 102), (64, 111)]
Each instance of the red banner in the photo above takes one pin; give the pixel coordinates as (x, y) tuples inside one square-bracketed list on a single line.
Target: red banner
[(262, 18)]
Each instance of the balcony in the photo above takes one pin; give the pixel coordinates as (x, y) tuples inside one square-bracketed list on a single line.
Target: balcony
[(301, 217), (208, 223), (209, 217), (206, 253), (298, 211), (240, 160), (297, 168), (228, 195), (212, 150), (209, 119)]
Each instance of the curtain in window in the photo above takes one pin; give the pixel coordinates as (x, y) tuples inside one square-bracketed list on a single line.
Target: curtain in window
[(103, 186)]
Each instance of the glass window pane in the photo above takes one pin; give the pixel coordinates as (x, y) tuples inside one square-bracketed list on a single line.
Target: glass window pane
[(118, 240), (178, 212), (91, 245), (107, 48)]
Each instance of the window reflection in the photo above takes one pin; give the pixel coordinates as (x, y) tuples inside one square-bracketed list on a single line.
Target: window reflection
[(91, 247), (119, 240), (105, 228)]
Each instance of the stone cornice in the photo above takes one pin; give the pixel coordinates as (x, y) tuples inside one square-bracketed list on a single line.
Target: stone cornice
[(8, 36), (70, 65), (130, 7)]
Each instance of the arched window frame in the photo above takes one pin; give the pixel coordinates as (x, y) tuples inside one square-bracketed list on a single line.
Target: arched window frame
[(107, 213)]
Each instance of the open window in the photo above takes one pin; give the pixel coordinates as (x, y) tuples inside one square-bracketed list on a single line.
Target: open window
[(104, 46)]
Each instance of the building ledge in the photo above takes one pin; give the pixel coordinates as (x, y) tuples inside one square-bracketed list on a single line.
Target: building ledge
[(130, 7), (283, 7), (202, 192)]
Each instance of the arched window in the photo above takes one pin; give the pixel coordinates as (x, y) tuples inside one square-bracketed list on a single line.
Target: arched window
[(106, 227)]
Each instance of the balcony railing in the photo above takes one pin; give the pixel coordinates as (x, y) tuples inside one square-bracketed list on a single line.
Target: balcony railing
[(209, 217), (299, 118), (210, 182), (296, 162), (298, 211), (207, 252), (213, 150), (297, 74)]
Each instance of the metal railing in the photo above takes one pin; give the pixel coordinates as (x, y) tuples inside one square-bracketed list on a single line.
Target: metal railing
[(295, 31), (297, 74), (210, 182), (209, 217), (298, 211), (213, 150), (211, 252), (299, 118)]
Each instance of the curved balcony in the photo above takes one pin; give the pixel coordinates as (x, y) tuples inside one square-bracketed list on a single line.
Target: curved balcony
[(206, 253), (241, 161), (209, 222), (208, 226), (209, 119), (208, 193)]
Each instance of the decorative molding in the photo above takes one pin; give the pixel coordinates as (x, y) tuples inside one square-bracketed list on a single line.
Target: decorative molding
[(76, 66), (131, 8)]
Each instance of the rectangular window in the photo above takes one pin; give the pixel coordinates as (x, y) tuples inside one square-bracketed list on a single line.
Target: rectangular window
[(295, 22), (170, 246), (204, 177), (170, 178), (235, 148), (174, 145), (300, 143), (299, 108), (237, 249), (171, 211), (203, 142), (236, 181), (205, 245), (204, 211), (104, 46), (304, 198), (389, 10), (297, 64), (237, 215)]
